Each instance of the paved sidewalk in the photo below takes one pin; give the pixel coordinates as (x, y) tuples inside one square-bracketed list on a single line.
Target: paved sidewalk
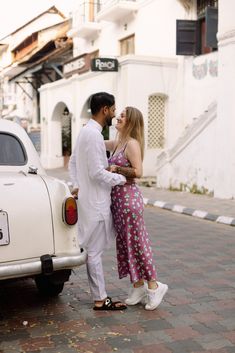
[(201, 206)]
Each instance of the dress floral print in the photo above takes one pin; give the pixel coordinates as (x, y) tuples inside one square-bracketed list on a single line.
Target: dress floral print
[(134, 253)]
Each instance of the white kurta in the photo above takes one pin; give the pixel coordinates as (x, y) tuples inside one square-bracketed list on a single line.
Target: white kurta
[(87, 168)]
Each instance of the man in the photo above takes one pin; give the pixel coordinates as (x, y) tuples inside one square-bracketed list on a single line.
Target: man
[(88, 173)]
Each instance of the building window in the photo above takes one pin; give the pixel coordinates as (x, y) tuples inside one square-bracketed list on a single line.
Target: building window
[(127, 45), (195, 37), (88, 10), (156, 121)]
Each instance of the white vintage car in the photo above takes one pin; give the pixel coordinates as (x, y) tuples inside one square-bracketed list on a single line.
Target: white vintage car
[(38, 215)]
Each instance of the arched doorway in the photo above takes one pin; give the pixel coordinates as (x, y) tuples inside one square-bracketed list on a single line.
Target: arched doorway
[(66, 135), (61, 132)]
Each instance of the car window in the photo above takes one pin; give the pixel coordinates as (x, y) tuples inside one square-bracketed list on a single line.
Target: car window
[(12, 151)]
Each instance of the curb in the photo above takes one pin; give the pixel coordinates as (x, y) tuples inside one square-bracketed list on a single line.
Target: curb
[(230, 221)]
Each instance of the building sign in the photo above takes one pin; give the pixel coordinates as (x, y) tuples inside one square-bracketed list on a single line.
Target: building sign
[(104, 64), (77, 65)]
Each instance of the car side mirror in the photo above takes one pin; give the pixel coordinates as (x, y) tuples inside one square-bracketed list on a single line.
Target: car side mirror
[(33, 169)]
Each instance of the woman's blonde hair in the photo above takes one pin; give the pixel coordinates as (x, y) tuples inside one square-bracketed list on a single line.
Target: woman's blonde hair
[(134, 127)]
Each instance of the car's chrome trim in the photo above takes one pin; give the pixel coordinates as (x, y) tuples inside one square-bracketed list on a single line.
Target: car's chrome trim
[(35, 267)]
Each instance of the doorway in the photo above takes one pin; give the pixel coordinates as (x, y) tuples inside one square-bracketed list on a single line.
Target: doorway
[(66, 135)]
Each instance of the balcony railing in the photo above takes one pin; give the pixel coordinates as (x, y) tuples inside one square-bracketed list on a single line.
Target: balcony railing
[(114, 10)]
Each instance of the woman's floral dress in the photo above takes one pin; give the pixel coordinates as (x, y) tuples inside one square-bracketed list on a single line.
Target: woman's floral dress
[(134, 253)]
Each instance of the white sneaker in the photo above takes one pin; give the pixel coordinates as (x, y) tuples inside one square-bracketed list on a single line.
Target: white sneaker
[(136, 295), (155, 296)]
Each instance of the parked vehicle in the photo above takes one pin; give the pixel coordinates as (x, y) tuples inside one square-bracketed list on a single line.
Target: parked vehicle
[(38, 215)]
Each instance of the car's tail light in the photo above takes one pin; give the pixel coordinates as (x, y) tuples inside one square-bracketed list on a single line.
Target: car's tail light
[(70, 211)]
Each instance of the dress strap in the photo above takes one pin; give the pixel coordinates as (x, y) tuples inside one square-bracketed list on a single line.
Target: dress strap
[(114, 151), (122, 149)]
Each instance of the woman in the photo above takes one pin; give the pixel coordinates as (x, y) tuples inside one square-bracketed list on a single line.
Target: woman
[(134, 253)]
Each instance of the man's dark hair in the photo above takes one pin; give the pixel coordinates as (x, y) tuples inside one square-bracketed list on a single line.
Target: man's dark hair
[(100, 100)]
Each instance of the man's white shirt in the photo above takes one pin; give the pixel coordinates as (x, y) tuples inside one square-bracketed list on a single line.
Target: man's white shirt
[(88, 172)]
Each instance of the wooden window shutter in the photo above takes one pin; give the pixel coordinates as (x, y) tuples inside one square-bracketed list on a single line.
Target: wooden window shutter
[(187, 37), (211, 27)]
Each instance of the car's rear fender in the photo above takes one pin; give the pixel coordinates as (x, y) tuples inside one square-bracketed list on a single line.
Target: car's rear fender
[(25, 217), (65, 236)]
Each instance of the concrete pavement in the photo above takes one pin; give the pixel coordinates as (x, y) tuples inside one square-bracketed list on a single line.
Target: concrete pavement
[(194, 257), (201, 206)]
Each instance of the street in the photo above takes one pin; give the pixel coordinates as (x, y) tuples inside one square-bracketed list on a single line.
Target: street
[(143, 89), (194, 257)]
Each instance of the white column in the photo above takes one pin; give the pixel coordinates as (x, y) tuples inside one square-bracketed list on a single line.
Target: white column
[(225, 139)]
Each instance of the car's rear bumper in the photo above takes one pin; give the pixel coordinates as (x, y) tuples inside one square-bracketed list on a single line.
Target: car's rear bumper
[(30, 268)]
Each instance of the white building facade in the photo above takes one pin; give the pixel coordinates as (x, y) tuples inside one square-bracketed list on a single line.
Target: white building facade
[(201, 159), (147, 75), (176, 72)]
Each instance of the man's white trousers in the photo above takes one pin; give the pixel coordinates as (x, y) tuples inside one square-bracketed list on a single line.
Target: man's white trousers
[(95, 247)]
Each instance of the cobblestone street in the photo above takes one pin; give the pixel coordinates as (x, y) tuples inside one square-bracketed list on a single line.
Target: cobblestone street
[(194, 257)]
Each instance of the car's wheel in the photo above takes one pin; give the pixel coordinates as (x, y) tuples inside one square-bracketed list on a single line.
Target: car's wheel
[(47, 287), (53, 284)]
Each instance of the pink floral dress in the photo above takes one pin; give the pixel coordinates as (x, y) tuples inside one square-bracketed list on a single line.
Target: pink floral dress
[(134, 253)]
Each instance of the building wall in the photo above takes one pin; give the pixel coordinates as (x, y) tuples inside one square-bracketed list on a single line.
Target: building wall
[(225, 161), (127, 87), (155, 26), (200, 84), (192, 84), (207, 161), (159, 77), (154, 63), (194, 165), (72, 93), (190, 164), (152, 37), (53, 99)]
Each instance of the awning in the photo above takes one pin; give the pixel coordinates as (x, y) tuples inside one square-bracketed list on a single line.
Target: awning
[(25, 71), (13, 71), (40, 64)]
